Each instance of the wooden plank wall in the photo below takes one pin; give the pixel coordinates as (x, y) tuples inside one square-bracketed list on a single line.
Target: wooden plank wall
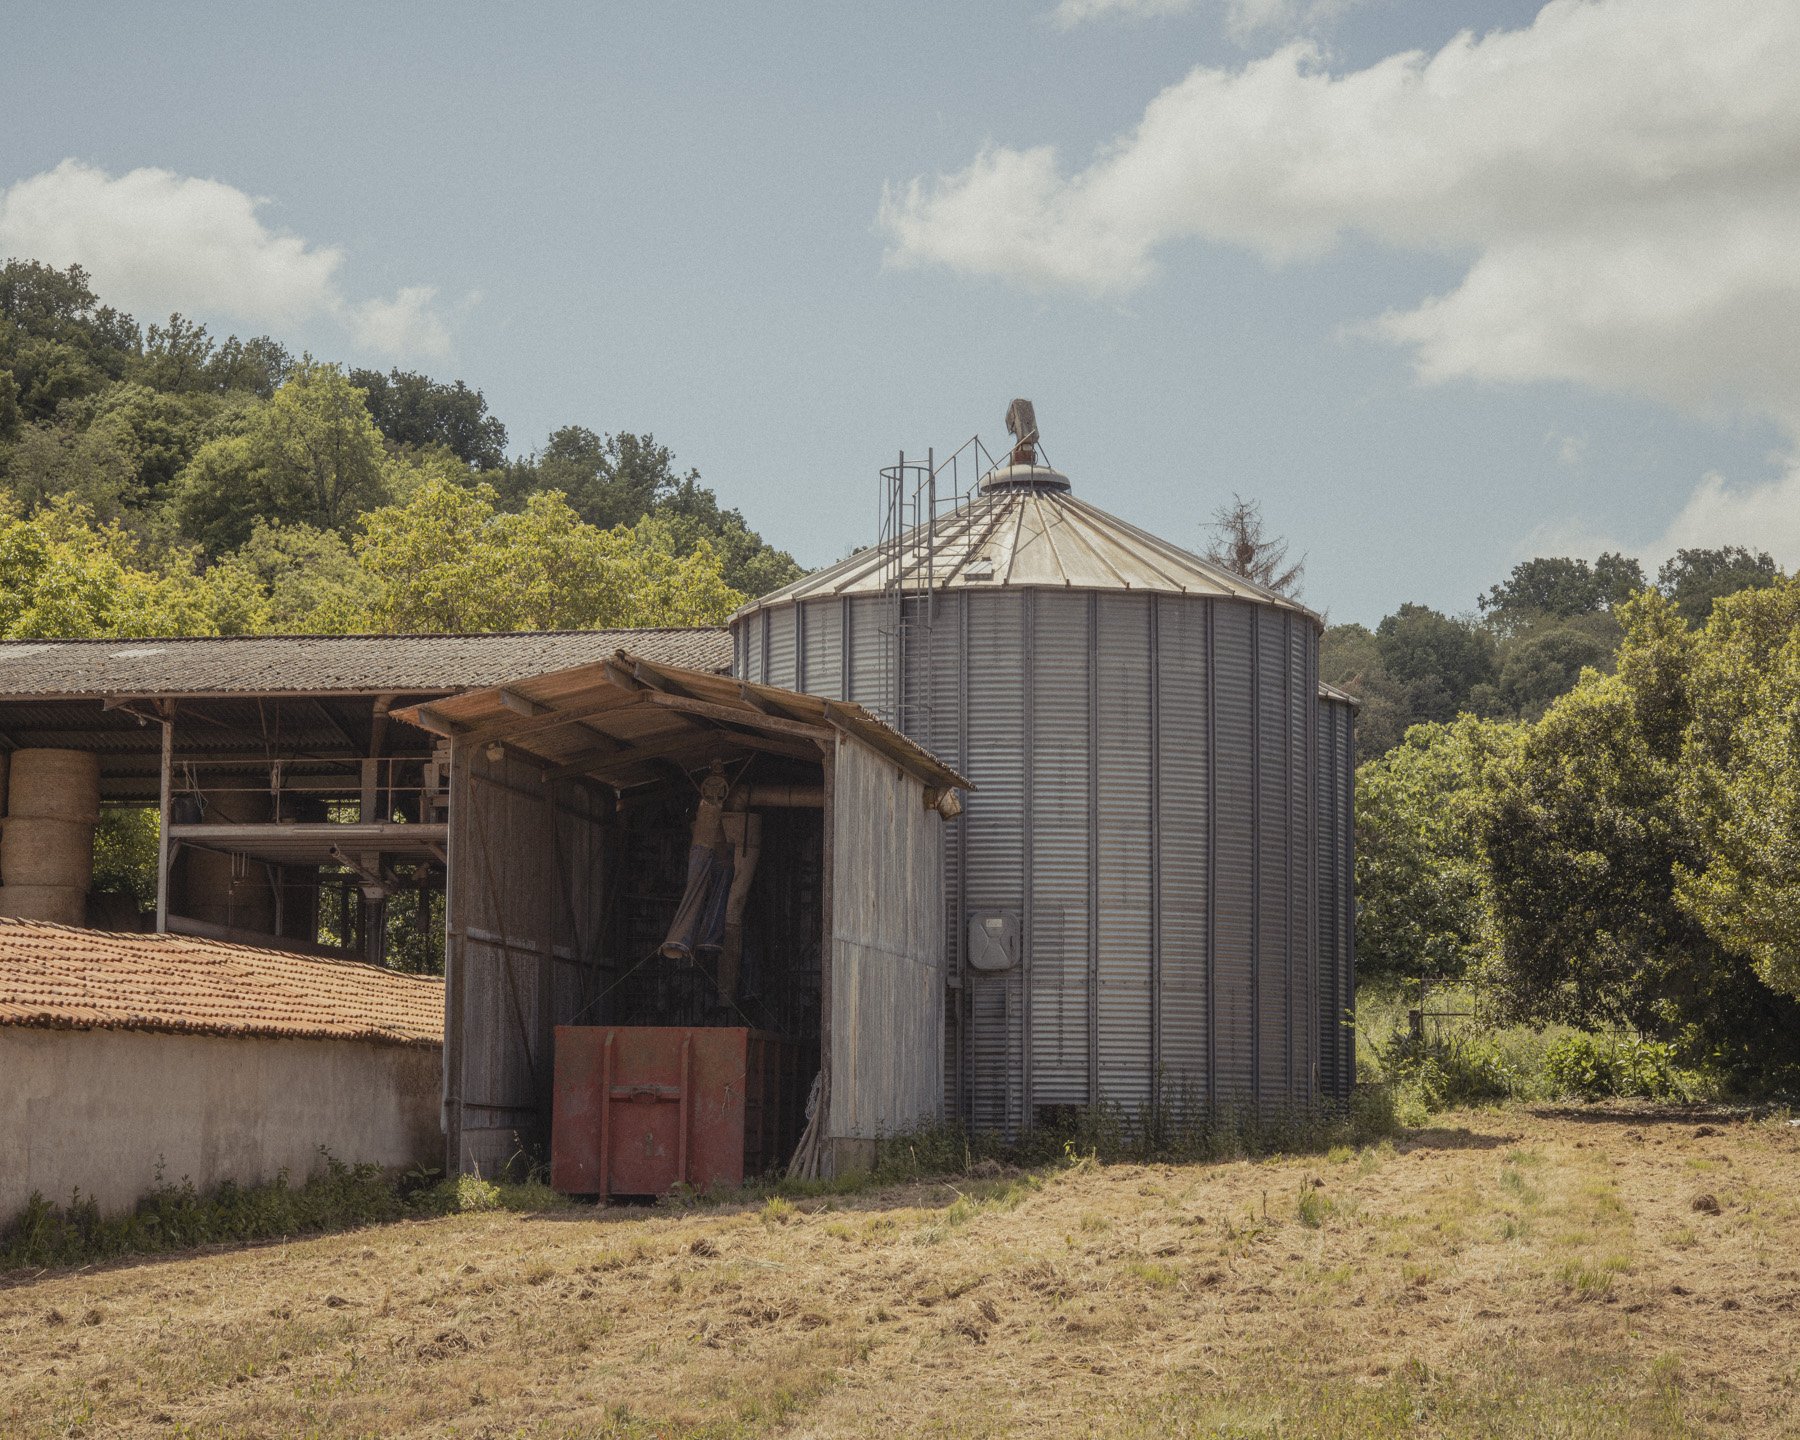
[(887, 922), (524, 947)]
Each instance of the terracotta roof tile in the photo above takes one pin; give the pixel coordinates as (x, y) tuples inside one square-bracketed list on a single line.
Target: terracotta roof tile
[(63, 978)]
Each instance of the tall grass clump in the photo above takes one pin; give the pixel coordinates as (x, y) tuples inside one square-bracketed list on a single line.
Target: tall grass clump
[(1174, 1128), (179, 1217), (336, 1196)]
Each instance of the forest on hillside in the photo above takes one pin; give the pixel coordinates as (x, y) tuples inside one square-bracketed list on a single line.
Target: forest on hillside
[(160, 480)]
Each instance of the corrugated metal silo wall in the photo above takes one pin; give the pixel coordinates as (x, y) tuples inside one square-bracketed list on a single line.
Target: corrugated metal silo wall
[(1145, 815), (1337, 895)]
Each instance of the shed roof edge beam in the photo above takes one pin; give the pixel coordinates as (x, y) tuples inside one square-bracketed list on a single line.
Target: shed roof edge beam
[(438, 724), (512, 729), (598, 766), (749, 720), (768, 704), (882, 746), (656, 677), (520, 704)]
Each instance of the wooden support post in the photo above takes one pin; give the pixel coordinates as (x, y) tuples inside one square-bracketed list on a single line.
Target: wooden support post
[(162, 829)]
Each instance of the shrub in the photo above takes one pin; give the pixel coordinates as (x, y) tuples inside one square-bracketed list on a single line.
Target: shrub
[(1450, 1069), (1602, 1066)]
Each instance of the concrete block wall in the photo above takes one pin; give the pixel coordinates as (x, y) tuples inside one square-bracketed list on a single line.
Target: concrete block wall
[(102, 1110)]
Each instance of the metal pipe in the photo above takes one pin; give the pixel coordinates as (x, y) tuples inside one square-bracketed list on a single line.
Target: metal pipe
[(778, 797)]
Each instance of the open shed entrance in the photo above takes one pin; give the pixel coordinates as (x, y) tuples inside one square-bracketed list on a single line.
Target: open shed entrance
[(587, 806)]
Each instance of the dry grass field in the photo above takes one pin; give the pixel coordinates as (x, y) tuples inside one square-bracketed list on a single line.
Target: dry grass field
[(1575, 1273)]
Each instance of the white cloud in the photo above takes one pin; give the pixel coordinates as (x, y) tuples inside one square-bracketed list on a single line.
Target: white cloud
[(1571, 450), (1621, 176), (405, 325), (1070, 13), (1243, 18), (157, 242), (1761, 517)]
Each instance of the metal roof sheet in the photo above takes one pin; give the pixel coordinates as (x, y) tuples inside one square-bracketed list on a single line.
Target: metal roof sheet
[(1027, 535), (58, 977), (630, 714), (330, 664)]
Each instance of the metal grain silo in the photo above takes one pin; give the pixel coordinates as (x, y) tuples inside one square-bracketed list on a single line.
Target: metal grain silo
[(1133, 886)]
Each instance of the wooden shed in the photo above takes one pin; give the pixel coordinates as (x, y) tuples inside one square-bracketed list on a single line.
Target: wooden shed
[(573, 804)]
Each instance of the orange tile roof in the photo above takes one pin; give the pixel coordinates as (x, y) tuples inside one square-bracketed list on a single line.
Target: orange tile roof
[(63, 978)]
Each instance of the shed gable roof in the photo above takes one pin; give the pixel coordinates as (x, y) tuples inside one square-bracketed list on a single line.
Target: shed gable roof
[(631, 714)]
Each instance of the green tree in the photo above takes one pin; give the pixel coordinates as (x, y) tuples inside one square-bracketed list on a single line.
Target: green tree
[(309, 580), (414, 410), (1435, 660), (177, 357), (607, 480), (1562, 587), (1350, 658), (57, 341), (1740, 782), (450, 559), (1585, 842), (256, 366), (1421, 877), (1536, 667), (1694, 579), (612, 480), (309, 456), (62, 576), (94, 465)]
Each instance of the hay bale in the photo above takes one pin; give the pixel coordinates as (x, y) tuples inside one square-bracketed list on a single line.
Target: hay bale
[(39, 852), (60, 904), (54, 785)]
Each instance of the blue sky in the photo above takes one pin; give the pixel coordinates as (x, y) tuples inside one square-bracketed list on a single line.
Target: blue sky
[(672, 219)]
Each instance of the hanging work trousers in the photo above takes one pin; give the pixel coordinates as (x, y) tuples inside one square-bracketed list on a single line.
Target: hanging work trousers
[(700, 921)]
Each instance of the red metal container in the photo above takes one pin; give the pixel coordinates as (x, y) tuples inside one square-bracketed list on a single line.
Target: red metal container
[(640, 1109)]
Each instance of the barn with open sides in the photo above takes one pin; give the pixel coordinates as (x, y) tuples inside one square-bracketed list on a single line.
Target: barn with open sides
[(580, 803), (294, 813)]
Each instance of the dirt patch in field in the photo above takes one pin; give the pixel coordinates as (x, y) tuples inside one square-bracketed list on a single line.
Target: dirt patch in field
[(1503, 1272)]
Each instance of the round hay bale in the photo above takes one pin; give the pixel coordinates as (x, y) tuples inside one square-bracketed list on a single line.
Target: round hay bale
[(60, 904), (54, 785), (35, 851), (222, 889)]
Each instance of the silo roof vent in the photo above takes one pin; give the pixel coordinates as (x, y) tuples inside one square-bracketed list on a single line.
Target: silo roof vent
[(1023, 469)]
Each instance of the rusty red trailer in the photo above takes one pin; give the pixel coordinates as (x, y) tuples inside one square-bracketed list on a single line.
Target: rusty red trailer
[(639, 1109)]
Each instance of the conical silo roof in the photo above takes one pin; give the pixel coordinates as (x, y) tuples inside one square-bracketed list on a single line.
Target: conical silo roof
[(1024, 529)]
